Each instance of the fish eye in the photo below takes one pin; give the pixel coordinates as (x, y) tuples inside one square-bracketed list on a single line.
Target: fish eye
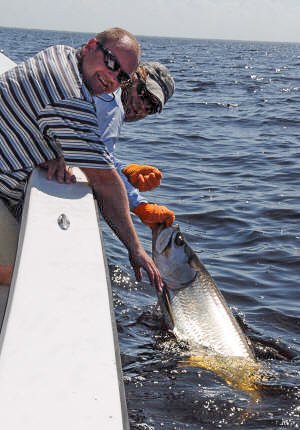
[(179, 240)]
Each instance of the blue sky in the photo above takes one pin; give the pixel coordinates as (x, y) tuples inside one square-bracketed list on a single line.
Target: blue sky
[(267, 20)]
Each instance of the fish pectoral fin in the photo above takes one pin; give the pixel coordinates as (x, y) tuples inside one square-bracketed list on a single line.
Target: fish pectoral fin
[(170, 309), (165, 299)]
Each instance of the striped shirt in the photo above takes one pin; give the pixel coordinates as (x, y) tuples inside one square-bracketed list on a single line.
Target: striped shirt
[(46, 111)]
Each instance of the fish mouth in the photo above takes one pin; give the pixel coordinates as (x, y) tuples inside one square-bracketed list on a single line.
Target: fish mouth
[(156, 230)]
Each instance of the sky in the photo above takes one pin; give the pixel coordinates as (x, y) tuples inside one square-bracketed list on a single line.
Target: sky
[(265, 20)]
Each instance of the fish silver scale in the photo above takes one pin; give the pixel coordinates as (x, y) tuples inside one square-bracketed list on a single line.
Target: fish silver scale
[(202, 317), (198, 312)]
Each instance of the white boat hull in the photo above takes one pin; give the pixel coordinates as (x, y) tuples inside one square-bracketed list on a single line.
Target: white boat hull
[(59, 362)]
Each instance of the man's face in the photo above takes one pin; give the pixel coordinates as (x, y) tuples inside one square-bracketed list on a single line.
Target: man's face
[(137, 103), (97, 76)]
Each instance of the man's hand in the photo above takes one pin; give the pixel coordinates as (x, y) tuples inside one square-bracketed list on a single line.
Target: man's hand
[(143, 177), (57, 169), (151, 214), (112, 199), (139, 259)]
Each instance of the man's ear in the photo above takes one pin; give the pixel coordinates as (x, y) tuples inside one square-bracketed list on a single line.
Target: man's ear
[(91, 43)]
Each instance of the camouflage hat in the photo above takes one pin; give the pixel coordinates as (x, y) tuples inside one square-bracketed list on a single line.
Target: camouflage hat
[(159, 81)]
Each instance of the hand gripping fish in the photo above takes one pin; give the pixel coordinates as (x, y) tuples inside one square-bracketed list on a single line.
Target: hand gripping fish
[(195, 310)]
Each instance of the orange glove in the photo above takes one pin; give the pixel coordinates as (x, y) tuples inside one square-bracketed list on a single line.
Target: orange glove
[(151, 214), (143, 177)]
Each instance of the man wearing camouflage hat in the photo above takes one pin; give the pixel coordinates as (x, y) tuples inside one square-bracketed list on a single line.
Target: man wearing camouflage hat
[(146, 93)]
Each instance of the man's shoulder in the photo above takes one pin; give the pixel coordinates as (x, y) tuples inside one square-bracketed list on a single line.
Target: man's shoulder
[(62, 63), (59, 51), (60, 47), (117, 95), (118, 100)]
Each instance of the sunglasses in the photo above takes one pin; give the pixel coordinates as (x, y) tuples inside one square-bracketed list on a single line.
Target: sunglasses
[(148, 98), (112, 63)]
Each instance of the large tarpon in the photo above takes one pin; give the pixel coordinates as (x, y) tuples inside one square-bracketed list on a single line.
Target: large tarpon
[(193, 306), (197, 313)]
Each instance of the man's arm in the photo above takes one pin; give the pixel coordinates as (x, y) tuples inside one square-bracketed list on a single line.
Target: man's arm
[(133, 194), (113, 202)]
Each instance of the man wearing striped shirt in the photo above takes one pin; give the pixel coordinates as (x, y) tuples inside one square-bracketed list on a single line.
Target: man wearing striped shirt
[(47, 112)]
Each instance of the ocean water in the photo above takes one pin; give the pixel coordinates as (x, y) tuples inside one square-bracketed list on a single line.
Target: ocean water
[(228, 146)]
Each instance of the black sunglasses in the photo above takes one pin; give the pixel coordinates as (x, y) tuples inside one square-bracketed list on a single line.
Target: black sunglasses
[(148, 98), (112, 63)]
